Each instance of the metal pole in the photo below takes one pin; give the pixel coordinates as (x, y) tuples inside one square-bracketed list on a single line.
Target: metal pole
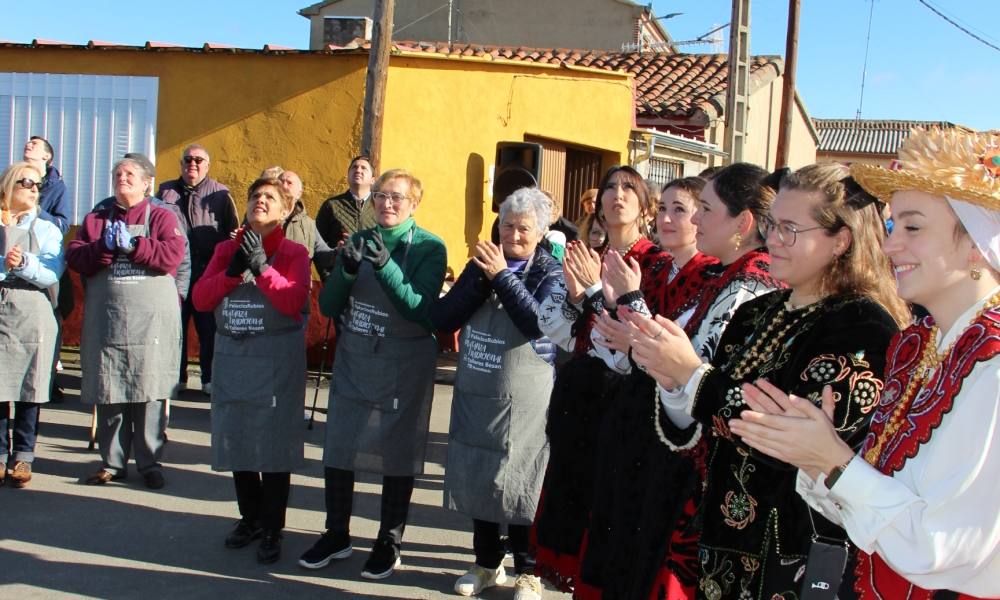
[(378, 72), (319, 375)]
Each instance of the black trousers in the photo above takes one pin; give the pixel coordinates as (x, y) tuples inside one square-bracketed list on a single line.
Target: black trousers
[(263, 497), (204, 326), (396, 492), (489, 548)]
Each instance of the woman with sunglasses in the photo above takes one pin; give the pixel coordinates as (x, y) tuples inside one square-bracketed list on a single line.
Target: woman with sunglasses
[(381, 291), (918, 498), (643, 532), (32, 263), (830, 328)]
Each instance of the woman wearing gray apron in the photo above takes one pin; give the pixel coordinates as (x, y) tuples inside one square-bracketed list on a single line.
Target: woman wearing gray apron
[(381, 291), (32, 263), (257, 284), (497, 449), (127, 255)]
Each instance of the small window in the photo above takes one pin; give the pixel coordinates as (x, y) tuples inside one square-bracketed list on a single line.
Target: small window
[(90, 120), (661, 171)]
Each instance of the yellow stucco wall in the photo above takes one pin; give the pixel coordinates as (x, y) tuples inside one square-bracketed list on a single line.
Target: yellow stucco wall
[(443, 118), (250, 110)]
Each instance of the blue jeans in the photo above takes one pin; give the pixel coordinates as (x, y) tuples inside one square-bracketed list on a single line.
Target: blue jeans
[(25, 425), (204, 325)]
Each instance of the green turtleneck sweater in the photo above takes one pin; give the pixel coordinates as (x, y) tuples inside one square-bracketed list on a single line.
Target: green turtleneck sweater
[(413, 290)]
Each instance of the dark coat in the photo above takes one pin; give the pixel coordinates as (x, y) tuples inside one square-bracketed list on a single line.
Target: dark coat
[(520, 293)]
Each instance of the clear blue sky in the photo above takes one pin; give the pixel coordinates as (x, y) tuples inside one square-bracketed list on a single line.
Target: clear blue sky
[(919, 66)]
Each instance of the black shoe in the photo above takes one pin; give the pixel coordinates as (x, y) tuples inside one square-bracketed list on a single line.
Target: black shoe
[(382, 561), (269, 550), (244, 533), (330, 546), (154, 479), (57, 396)]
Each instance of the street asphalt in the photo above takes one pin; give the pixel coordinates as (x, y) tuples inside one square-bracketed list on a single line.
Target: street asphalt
[(60, 538)]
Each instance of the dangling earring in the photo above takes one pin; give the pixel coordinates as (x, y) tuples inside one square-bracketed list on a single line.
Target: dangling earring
[(975, 272), (739, 240)]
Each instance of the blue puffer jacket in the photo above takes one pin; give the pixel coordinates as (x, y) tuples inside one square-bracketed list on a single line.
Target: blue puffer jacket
[(519, 293)]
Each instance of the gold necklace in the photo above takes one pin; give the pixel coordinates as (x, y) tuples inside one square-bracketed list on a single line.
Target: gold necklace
[(759, 354), (930, 360)]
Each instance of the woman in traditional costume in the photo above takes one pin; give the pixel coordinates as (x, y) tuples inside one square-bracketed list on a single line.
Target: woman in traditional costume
[(584, 386), (919, 500), (830, 328), (642, 542)]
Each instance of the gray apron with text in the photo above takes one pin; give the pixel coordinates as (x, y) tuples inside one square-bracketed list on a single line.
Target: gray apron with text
[(131, 341), (497, 448), (382, 386), (27, 336), (258, 385)]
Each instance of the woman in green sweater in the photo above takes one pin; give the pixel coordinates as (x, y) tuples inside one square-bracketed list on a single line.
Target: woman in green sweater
[(380, 292)]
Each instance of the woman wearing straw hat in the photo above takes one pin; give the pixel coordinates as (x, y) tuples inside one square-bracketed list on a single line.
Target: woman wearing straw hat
[(919, 499)]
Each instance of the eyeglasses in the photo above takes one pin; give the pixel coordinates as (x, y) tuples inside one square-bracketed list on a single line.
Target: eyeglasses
[(194, 159), (27, 183), (787, 233), (396, 198)]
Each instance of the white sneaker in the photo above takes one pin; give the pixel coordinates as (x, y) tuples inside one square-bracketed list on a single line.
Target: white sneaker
[(478, 579), (527, 587)]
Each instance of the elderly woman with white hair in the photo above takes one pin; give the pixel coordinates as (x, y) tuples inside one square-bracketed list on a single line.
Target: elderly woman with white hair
[(497, 448), (128, 254)]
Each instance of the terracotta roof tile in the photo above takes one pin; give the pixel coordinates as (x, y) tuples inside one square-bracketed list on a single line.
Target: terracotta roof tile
[(867, 136)]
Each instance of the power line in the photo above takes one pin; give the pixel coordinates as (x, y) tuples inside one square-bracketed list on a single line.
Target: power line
[(960, 27), (864, 67)]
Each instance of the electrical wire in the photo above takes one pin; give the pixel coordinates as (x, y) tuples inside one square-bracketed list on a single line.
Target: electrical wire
[(864, 67), (957, 25)]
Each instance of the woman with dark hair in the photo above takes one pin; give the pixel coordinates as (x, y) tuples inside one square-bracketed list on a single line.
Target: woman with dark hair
[(32, 255), (496, 442), (583, 385), (128, 254), (257, 284), (831, 328), (918, 497), (647, 541)]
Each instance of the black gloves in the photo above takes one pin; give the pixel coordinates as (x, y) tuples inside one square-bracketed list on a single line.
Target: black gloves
[(238, 264), (375, 251), (351, 255), (253, 250)]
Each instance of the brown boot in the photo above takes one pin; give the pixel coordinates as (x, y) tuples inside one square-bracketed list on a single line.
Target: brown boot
[(3, 473), (20, 475)]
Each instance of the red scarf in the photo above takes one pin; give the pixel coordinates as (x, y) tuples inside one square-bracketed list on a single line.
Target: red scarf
[(671, 298), (979, 342)]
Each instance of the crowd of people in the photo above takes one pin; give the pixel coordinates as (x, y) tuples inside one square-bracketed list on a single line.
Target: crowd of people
[(744, 385)]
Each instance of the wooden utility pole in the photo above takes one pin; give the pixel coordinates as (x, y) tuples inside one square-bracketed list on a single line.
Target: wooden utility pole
[(378, 72), (788, 86)]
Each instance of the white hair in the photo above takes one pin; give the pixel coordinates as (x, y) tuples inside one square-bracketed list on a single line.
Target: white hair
[(526, 201)]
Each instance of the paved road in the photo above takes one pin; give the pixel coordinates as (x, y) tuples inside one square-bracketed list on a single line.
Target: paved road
[(62, 539)]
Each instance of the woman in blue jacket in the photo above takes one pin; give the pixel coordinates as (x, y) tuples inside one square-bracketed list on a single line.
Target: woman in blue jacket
[(32, 263), (497, 449)]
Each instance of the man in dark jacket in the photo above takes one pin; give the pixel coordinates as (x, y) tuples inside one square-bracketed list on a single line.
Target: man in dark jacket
[(300, 227), (348, 213), (208, 216)]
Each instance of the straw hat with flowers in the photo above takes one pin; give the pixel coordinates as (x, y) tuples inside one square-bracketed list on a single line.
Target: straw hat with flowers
[(955, 163)]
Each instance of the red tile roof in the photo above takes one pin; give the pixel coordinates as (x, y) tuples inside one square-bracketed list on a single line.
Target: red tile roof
[(668, 86), (867, 136)]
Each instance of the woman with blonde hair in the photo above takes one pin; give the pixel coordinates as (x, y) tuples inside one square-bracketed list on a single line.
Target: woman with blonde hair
[(382, 289), (918, 496), (829, 329), (32, 263)]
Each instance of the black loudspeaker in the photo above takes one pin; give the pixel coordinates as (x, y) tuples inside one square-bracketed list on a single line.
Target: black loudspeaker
[(518, 165)]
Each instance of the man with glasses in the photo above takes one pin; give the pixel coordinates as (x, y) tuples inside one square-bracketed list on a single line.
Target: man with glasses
[(208, 216), (352, 211)]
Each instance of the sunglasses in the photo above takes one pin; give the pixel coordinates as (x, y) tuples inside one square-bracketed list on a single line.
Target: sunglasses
[(194, 159), (27, 183)]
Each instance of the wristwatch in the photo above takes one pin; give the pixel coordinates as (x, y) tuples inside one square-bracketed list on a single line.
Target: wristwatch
[(834, 475)]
